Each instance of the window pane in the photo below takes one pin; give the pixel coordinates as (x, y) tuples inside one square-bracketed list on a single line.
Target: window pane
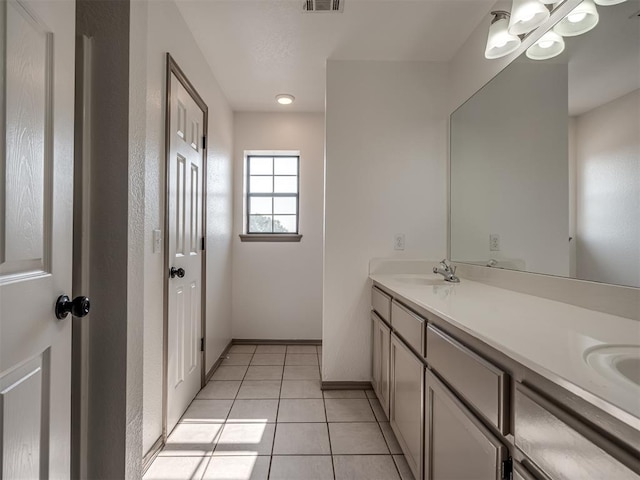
[(261, 205), (260, 224), (286, 184), (284, 223), (260, 184), (260, 166), (285, 205), (285, 166)]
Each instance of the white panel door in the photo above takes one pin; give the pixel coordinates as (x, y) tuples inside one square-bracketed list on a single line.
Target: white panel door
[(184, 173), (37, 48)]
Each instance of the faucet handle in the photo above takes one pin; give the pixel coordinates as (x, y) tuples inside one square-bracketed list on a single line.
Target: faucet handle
[(453, 270), (445, 265)]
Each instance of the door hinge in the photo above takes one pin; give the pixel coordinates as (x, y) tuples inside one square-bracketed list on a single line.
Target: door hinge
[(203, 242), (204, 141), (507, 469), (202, 344)]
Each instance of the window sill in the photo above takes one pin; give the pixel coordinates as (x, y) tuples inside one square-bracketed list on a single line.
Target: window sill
[(278, 237)]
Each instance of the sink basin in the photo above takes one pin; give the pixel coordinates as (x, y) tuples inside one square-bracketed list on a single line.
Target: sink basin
[(616, 362), (419, 279)]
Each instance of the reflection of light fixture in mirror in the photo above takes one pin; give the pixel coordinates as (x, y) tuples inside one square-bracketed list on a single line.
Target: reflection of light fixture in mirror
[(526, 15), (548, 46), (580, 20), (285, 99), (606, 3), (500, 42)]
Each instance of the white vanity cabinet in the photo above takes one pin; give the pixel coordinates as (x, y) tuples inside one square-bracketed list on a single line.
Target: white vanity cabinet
[(462, 409), (380, 366), (406, 403), (457, 444)]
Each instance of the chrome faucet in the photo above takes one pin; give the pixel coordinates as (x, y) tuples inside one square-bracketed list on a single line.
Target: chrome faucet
[(447, 271)]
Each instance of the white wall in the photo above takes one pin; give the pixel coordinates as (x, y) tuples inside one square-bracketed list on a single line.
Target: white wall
[(167, 32), (277, 287), (469, 69), (607, 145), (507, 142), (385, 174)]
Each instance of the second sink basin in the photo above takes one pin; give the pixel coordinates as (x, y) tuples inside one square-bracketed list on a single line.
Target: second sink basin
[(616, 362), (419, 279)]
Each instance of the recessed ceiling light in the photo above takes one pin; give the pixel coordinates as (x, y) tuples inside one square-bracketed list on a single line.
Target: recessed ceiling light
[(285, 99)]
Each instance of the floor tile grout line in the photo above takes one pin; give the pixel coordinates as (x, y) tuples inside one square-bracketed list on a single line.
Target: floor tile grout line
[(385, 438), (324, 404), (224, 424), (204, 470), (275, 429)]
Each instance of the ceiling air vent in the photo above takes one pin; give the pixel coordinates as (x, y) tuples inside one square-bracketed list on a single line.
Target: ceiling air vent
[(323, 5)]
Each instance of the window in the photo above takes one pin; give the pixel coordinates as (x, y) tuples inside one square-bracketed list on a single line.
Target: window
[(272, 195)]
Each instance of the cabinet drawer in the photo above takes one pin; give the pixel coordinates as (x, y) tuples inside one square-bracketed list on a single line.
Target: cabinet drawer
[(559, 444), (409, 326), (480, 383), (381, 303)]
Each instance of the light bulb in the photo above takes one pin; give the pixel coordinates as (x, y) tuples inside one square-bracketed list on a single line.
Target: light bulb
[(576, 17), (499, 41), (580, 20), (548, 46), (526, 15)]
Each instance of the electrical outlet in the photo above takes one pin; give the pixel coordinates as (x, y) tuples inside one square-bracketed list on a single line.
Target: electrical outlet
[(494, 242), (157, 241), (398, 241)]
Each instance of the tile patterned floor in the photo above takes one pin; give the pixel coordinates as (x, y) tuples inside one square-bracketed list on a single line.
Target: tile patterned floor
[(263, 416)]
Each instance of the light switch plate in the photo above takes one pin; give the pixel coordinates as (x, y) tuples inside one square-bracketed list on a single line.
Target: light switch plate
[(398, 241), (157, 241)]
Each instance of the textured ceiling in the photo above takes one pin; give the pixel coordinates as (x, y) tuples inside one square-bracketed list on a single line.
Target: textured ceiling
[(258, 49)]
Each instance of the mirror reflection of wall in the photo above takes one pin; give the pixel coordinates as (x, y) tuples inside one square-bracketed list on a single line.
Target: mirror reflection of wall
[(545, 160)]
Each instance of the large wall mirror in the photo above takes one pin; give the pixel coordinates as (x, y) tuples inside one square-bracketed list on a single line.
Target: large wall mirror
[(545, 160)]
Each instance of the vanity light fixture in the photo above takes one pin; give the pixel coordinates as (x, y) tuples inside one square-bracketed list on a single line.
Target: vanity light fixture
[(580, 20), (499, 41), (285, 99), (548, 46), (527, 15)]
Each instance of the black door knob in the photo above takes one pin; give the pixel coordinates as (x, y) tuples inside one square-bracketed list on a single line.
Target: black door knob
[(79, 307), (176, 272)]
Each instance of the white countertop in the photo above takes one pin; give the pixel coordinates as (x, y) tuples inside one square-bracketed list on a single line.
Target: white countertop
[(546, 336)]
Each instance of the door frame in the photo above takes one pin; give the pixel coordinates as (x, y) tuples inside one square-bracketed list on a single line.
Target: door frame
[(172, 68)]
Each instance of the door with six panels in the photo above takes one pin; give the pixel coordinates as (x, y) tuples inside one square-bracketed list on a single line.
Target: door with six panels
[(184, 253)]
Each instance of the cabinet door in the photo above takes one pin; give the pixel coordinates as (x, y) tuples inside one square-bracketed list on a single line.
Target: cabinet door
[(385, 373), (380, 366), (457, 445), (376, 353), (406, 403)]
